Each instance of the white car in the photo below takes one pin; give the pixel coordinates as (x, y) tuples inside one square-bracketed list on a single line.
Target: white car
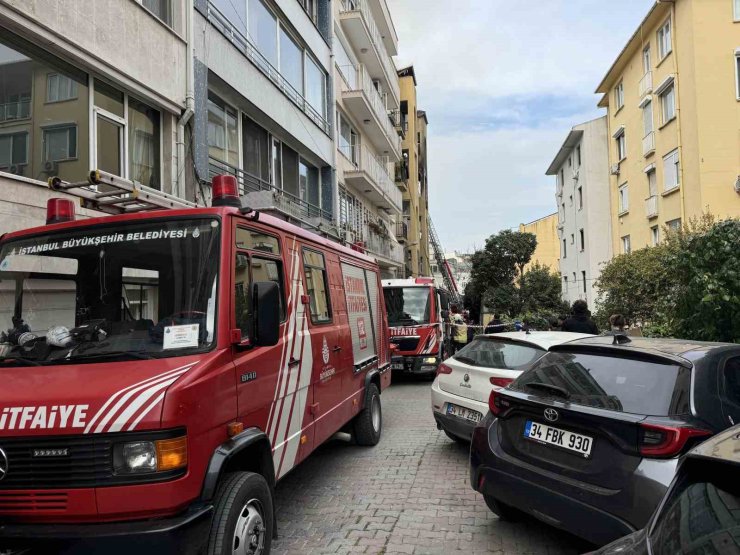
[(463, 383)]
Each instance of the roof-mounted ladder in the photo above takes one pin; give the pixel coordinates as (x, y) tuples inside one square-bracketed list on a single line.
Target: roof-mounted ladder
[(109, 193)]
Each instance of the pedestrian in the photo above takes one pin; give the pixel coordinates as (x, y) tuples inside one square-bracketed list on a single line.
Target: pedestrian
[(617, 323), (495, 325), (580, 320), (459, 330)]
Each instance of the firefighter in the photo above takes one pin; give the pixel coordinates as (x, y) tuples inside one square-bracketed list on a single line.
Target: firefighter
[(459, 329)]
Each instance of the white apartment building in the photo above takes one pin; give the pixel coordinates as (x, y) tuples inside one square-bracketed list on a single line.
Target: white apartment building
[(581, 168), (368, 144)]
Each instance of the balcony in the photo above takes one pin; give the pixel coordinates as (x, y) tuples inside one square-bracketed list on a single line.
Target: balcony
[(646, 84), (363, 100), (400, 122), (20, 109), (402, 174), (370, 175), (651, 207), (384, 247), (359, 25), (402, 232), (648, 144)]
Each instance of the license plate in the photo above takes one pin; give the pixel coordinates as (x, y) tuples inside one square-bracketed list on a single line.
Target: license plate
[(397, 366), (559, 438), (462, 412)]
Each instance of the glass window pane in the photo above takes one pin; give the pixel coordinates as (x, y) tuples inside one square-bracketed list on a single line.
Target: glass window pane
[(256, 150), (160, 8), (290, 170), (223, 135), (316, 286), (314, 193), (143, 143), (345, 65), (109, 146), (302, 180), (241, 292), (235, 12), (257, 241), (291, 61), (496, 354), (60, 144), (20, 146), (6, 148), (108, 98), (315, 87), (269, 270), (263, 30), (277, 169)]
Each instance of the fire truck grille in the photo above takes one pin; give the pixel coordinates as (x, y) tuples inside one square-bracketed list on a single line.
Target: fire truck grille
[(17, 503), (406, 344), (62, 462)]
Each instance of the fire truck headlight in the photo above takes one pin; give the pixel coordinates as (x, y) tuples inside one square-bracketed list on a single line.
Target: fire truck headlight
[(135, 458), (430, 360)]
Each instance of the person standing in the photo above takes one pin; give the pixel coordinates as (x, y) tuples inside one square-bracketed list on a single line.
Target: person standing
[(459, 330), (580, 319), (495, 325)]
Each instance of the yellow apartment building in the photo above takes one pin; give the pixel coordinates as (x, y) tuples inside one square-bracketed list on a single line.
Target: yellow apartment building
[(411, 178), (547, 252), (673, 102)]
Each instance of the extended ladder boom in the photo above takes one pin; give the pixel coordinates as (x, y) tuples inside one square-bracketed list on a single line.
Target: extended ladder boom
[(109, 193), (442, 264)]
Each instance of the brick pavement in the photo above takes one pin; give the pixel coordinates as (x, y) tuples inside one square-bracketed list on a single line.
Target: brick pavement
[(408, 494)]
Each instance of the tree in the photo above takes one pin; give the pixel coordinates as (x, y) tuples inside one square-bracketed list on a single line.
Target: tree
[(540, 291)]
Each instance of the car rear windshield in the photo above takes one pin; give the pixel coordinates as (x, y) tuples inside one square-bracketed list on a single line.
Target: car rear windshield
[(613, 383), (490, 353)]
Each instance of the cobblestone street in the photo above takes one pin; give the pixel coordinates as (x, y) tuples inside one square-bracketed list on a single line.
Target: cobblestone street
[(409, 494)]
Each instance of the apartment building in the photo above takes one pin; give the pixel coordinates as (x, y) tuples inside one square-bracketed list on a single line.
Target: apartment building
[(672, 97), (412, 179), (368, 145), (583, 219), (547, 251), (80, 88)]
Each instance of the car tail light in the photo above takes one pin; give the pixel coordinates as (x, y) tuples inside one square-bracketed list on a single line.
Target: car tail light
[(443, 369), (666, 441), (225, 191), (59, 210), (501, 382), (494, 402)]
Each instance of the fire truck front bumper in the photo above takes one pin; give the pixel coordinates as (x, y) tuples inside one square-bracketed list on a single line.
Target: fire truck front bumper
[(416, 364), (186, 534)]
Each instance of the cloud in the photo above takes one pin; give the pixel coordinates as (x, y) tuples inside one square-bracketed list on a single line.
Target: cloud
[(502, 83)]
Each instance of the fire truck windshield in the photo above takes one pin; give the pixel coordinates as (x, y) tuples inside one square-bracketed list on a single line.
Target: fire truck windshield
[(407, 306), (130, 290)]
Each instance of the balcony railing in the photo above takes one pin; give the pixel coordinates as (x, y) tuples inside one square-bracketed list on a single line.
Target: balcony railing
[(385, 247), (400, 122), (402, 171), (648, 143), (651, 206), (250, 51), (646, 84), (20, 109), (402, 231), (377, 39), (360, 81), (285, 201)]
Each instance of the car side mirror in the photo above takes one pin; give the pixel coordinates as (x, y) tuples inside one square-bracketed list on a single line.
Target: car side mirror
[(445, 314), (264, 314)]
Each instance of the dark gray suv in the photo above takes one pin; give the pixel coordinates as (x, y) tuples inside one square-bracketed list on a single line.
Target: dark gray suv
[(588, 438)]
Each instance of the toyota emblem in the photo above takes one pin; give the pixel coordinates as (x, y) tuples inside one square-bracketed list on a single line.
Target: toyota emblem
[(551, 415), (4, 464), (466, 377)]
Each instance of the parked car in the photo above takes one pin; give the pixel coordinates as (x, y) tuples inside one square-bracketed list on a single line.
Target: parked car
[(700, 511), (463, 382), (588, 438)]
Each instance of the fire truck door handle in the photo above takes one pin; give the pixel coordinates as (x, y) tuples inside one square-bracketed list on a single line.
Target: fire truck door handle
[(337, 349), (294, 361)]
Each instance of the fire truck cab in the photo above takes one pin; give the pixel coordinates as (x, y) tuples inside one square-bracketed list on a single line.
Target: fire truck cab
[(417, 310), (161, 370)]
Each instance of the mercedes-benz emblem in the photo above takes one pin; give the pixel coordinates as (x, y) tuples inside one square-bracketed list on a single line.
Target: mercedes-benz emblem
[(4, 464), (466, 377), (551, 414)]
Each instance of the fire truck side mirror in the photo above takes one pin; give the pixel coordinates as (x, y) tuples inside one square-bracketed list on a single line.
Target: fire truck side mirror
[(264, 324), (445, 314)]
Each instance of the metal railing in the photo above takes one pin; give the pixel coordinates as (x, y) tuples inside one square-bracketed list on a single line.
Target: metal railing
[(376, 38), (20, 109), (284, 200), (402, 231), (384, 246), (377, 170), (646, 83), (250, 51), (648, 143), (400, 122), (651, 206), (402, 171), (364, 84)]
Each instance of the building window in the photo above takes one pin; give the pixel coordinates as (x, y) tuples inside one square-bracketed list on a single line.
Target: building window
[(580, 198), (578, 156), (143, 143), (562, 178), (570, 200), (626, 246), (652, 183), (572, 238), (60, 143), (565, 250), (348, 143), (13, 151), (654, 235), (565, 283), (317, 286), (60, 88), (583, 239), (624, 199), (315, 86), (310, 7), (256, 150), (346, 66), (671, 171), (160, 8), (583, 276), (668, 103), (674, 225), (263, 30), (223, 135), (647, 118), (737, 10), (308, 185), (646, 65), (619, 95), (291, 61), (621, 144), (664, 40), (737, 72)]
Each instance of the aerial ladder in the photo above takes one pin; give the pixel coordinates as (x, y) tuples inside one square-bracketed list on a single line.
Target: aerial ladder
[(443, 265)]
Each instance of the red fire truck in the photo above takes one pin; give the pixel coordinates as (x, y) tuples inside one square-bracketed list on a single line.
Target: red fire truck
[(162, 369), (416, 313)]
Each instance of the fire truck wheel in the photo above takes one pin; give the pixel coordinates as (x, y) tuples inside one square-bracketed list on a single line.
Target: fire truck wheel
[(242, 520), (369, 423)]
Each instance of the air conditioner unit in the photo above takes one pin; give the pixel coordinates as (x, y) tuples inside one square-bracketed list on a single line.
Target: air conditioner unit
[(614, 169), (737, 184), (51, 167)]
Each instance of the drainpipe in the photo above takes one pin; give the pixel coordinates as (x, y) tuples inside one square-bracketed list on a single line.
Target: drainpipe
[(179, 180)]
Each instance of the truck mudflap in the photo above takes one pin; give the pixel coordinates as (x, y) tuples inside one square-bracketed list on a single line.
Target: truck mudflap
[(186, 534)]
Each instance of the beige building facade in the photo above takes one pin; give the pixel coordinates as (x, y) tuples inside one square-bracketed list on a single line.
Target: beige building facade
[(673, 103), (547, 252)]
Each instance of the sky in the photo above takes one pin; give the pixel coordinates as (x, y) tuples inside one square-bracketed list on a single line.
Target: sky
[(502, 83)]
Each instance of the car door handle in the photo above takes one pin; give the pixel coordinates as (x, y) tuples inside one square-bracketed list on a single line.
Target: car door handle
[(337, 349), (294, 361)]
